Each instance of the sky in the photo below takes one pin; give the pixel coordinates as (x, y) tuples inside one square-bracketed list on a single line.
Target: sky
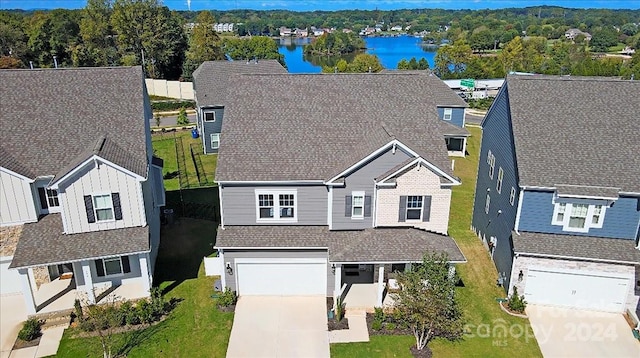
[(310, 5)]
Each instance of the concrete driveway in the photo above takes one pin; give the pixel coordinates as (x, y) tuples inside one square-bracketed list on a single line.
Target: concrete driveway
[(562, 332), (279, 326), (12, 314)]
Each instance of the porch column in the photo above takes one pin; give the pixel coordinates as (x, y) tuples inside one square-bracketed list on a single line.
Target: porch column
[(381, 286), (88, 282), (144, 273), (464, 146), (27, 292), (337, 289)]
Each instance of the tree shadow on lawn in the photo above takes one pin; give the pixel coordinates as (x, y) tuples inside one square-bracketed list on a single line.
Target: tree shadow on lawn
[(183, 245)]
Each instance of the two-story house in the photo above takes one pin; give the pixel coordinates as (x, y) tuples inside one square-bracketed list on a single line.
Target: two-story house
[(211, 84), (85, 193), (331, 180), (558, 193)]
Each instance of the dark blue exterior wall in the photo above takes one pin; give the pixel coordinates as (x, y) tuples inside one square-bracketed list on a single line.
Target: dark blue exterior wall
[(620, 220), (457, 116), (207, 128), (497, 137)]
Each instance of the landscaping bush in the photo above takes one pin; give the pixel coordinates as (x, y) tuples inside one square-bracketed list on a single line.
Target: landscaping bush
[(378, 314), (516, 303), (145, 312), (339, 310), (162, 106), (376, 325), (390, 326), (227, 298), (30, 330), (481, 103), (77, 310)]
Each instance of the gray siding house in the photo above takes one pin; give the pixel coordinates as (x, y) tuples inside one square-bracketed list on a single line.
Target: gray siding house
[(211, 85), (84, 195), (329, 181), (558, 192)]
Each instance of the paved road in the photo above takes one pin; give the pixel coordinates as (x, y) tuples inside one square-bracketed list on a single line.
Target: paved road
[(473, 119), (171, 120)]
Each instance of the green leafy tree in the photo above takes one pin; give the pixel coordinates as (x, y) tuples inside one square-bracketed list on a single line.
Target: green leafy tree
[(403, 65), (98, 39), (256, 47), (602, 39), (182, 117), (427, 302), (512, 55), (450, 59), (204, 44)]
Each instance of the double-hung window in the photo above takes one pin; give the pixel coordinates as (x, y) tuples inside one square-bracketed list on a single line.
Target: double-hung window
[(276, 205), (103, 206), (113, 266), (487, 203), (49, 199), (492, 165), (357, 205), (447, 114), (578, 217), (499, 181), (215, 140), (512, 196), (414, 207)]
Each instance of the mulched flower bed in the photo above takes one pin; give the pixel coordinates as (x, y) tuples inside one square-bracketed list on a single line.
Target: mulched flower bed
[(424, 353), (388, 328), (332, 324), (26, 344), (231, 308)]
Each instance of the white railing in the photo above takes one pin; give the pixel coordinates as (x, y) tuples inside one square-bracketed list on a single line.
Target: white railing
[(213, 266)]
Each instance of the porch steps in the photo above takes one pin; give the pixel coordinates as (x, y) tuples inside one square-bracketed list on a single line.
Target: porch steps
[(54, 319), (358, 311)]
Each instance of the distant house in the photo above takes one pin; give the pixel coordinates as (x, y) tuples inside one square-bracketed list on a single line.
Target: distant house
[(558, 191), (301, 32), (223, 27), (571, 34), (285, 31), (86, 196), (396, 28), (211, 85)]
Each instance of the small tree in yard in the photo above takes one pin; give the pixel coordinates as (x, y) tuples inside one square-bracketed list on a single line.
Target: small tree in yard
[(182, 117), (157, 118), (104, 319), (427, 302)]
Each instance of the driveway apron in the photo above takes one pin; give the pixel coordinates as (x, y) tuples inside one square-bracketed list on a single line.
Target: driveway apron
[(13, 313), (279, 326)]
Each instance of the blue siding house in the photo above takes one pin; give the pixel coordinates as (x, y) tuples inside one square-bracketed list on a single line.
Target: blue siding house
[(557, 200), (211, 83)]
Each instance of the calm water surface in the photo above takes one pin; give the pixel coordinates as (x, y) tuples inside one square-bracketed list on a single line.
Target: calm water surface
[(390, 50)]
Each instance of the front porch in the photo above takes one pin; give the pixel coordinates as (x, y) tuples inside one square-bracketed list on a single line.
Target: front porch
[(60, 294), (368, 289)]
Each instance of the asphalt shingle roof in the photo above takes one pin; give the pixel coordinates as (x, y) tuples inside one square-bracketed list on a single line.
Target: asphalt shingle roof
[(312, 127), (43, 243), (381, 244), (211, 78), (51, 118), (576, 131), (587, 247)]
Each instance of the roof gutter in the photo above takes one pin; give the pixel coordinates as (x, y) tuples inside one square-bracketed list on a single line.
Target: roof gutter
[(518, 253), (82, 259), (272, 182)]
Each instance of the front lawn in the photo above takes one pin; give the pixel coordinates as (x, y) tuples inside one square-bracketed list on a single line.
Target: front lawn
[(490, 332), (195, 328)]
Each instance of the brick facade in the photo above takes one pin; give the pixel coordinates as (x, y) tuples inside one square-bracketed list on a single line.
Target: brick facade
[(415, 181), (524, 262)]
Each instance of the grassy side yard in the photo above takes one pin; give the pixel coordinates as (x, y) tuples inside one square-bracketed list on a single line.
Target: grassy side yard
[(195, 328), (164, 146), (490, 332)]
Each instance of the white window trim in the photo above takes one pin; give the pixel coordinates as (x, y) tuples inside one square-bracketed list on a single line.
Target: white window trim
[(95, 209), (588, 220), (487, 203), (512, 196), (353, 195), (276, 205), (104, 267), (217, 135), (499, 181), (489, 154), (204, 116), (406, 209), (448, 112), (492, 166)]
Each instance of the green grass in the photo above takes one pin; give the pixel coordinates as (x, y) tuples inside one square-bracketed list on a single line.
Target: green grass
[(477, 297), (195, 328), (164, 147)]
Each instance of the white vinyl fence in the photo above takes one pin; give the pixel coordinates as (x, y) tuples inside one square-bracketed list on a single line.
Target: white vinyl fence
[(171, 89)]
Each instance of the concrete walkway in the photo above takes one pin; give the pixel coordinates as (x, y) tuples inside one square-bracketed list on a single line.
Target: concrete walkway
[(279, 326), (563, 332), (13, 313), (357, 332), (48, 346)]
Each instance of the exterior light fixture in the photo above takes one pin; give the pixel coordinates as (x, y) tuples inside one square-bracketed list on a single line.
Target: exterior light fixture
[(520, 276), (229, 269), (333, 268)]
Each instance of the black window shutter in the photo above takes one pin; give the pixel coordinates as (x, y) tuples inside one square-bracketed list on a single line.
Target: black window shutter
[(99, 268), (43, 198), (126, 267), (426, 208), (88, 205), (347, 206), (403, 209), (117, 207), (367, 206)]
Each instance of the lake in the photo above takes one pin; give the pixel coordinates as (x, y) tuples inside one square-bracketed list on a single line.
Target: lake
[(390, 50)]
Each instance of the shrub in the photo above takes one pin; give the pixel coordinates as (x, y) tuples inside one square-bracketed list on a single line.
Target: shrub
[(516, 303), (172, 105), (339, 310), (158, 303), (390, 326), (30, 330), (145, 312), (227, 298), (77, 310), (378, 314), (376, 325)]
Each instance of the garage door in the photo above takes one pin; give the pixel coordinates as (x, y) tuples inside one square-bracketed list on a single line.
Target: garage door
[(9, 279), (287, 277), (584, 290)]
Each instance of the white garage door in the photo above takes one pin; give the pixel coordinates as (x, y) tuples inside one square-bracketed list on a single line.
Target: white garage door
[(584, 290), (9, 279), (287, 277)]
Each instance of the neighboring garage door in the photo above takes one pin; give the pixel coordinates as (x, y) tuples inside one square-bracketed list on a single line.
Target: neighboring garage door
[(285, 277), (584, 290), (9, 279)]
